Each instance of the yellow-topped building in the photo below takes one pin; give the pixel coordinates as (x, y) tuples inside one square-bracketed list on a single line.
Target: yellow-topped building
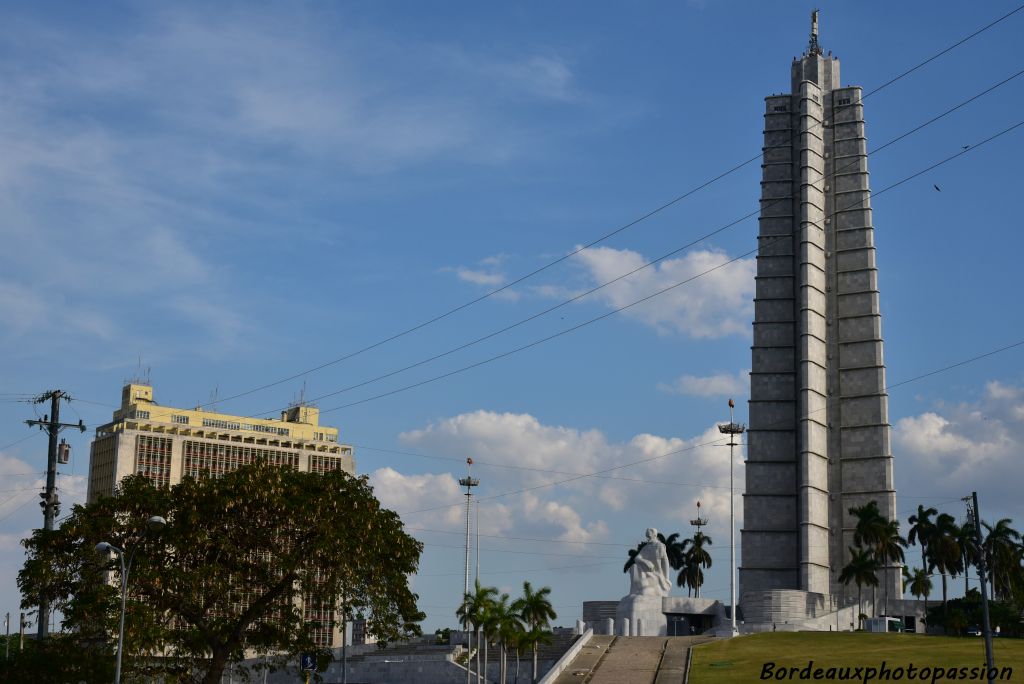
[(165, 443)]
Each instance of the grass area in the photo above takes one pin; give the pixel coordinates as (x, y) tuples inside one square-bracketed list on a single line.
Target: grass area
[(742, 659)]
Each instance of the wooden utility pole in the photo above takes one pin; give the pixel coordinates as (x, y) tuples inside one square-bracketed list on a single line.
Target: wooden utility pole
[(50, 504)]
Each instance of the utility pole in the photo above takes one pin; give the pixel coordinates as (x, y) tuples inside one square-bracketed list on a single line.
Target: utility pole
[(50, 504), (974, 516), (21, 632), (7, 638)]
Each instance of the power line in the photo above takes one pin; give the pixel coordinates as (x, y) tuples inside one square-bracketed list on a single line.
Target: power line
[(659, 259), (16, 442), (601, 239), (716, 442), (657, 293), (536, 469)]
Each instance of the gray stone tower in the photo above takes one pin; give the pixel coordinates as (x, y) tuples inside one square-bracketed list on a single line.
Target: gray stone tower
[(819, 437)]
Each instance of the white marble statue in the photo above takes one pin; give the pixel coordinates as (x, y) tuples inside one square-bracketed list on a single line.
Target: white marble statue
[(649, 575)]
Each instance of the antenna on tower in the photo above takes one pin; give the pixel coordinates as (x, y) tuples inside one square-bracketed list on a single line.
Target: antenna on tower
[(814, 48)]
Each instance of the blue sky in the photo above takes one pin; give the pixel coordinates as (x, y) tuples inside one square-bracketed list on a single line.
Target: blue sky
[(240, 193)]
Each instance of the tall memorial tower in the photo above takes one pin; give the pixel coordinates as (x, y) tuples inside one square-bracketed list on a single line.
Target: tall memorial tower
[(819, 436)]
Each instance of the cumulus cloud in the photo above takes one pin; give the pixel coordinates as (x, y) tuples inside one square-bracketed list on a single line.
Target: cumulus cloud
[(718, 385), (972, 445), (516, 451), (715, 301)]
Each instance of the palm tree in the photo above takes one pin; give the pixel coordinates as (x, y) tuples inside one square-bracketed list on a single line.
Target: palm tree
[(675, 548), (921, 531), (472, 612), (968, 541), (889, 550), (506, 625), (919, 583), (1002, 556), (869, 533), (535, 609), (697, 557), (632, 556), (944, 551), (862, 570)]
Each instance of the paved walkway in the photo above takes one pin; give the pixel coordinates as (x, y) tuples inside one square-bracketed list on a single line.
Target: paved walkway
[(630, 660)]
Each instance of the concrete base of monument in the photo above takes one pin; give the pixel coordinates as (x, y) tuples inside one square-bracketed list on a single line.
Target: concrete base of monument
[(640, 615)]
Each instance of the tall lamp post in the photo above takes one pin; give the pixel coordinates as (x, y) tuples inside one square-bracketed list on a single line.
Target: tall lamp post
[(732, 429), (154, 524)]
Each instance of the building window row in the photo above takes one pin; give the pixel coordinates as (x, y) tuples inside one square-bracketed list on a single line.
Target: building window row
[(153, 458), (232, 425), (217, 459), (180, 420), (322, 463)]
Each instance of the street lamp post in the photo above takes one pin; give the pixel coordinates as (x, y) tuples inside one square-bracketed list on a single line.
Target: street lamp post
[(155, 524), (732, 429)]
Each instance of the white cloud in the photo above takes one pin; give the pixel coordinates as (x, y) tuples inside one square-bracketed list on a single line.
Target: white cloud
[(718, 385), (479, 277), (692, 469), (487, 274), (956, 448), (715, 301)]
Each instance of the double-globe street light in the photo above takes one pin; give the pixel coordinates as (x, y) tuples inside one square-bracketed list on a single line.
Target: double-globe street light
[(154, 524)]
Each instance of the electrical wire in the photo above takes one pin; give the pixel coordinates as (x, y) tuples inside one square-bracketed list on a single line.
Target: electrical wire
[(596, 241), (828, 403), (657, 293), (759, 210)]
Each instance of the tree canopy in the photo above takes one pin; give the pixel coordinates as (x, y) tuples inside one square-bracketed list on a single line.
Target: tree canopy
[(249, 561)]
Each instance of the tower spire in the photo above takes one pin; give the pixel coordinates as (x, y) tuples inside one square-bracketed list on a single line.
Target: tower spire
[(813, 48)]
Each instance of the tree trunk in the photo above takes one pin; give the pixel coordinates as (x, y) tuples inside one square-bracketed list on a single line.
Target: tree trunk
[(885, 609), (479, 643), (945, 604), (217, 664), (486, 640), (517, 666), (860, 605), (533, 679)]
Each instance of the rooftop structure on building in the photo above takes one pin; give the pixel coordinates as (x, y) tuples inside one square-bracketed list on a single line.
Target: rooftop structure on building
[(165, 443)]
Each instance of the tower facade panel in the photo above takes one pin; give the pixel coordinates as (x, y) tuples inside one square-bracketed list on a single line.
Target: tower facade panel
[(819, 436)]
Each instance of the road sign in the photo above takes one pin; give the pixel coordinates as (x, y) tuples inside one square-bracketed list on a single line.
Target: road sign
[(308, 662)]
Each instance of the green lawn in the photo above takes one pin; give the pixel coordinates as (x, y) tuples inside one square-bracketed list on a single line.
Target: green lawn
[(743, 659)]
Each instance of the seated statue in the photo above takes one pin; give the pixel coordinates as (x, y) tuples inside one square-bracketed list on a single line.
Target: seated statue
[(649, 575)]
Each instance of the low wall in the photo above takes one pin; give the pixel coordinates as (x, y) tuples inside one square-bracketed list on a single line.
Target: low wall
[(566, 658)]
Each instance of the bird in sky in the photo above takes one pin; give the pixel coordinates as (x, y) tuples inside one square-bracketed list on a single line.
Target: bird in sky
[(937, 188)]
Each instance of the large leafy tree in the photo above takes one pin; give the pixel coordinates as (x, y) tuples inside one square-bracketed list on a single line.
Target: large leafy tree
[(230, 571)]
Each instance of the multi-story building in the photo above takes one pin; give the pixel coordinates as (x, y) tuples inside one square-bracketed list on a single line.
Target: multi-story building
[(819, 438), (165, 444)]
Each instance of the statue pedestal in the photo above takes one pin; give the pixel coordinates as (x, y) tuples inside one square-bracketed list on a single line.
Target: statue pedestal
[(647, 609)]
